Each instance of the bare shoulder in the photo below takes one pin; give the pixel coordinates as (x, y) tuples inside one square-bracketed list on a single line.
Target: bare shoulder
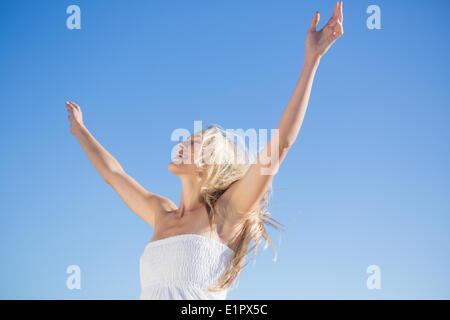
[(160, 206)]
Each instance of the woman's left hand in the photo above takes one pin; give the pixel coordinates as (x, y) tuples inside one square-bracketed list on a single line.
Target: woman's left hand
[(318, 42)]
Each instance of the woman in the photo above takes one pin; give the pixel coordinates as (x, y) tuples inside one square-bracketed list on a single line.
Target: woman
[(198, 248)]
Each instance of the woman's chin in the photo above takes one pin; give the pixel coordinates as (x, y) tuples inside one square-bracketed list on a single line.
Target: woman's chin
[(172, 165), (175, 166)]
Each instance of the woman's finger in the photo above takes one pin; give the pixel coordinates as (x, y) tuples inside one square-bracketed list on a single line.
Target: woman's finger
[(336, 9), (314, 21), (70, 105), (74, 105), (341, 15), (334, 20)]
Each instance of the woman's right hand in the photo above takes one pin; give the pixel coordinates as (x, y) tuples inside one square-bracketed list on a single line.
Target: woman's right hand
[(75, 116), (318, 42)]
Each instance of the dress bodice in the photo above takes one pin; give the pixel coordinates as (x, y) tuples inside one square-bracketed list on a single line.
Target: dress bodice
[(182, 267)]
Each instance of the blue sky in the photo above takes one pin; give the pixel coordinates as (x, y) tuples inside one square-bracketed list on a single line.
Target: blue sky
[(366, 182)]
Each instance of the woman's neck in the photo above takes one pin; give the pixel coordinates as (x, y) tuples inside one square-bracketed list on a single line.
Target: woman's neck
[(190, 199)]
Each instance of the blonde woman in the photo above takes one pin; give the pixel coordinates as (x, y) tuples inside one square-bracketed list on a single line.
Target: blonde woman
[(198, 247)]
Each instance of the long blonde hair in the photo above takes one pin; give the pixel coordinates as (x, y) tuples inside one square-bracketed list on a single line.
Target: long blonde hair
[(219, 172)]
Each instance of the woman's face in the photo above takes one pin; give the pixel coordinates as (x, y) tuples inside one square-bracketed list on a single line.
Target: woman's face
[(183, 161)]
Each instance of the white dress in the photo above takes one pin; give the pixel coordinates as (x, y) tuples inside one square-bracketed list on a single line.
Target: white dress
[(181, 267)]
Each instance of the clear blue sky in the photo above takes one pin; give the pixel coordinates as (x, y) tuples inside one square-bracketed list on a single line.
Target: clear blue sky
[(366, 183)]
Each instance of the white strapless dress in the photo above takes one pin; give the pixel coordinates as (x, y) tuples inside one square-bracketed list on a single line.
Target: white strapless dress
[(181, 267)]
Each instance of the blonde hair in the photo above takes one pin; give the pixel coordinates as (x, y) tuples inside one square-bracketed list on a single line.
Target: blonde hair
[(219, 172)]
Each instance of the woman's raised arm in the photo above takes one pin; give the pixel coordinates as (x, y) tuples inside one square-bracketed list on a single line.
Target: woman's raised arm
[(102, 160), (245, 195), (147, 205)]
